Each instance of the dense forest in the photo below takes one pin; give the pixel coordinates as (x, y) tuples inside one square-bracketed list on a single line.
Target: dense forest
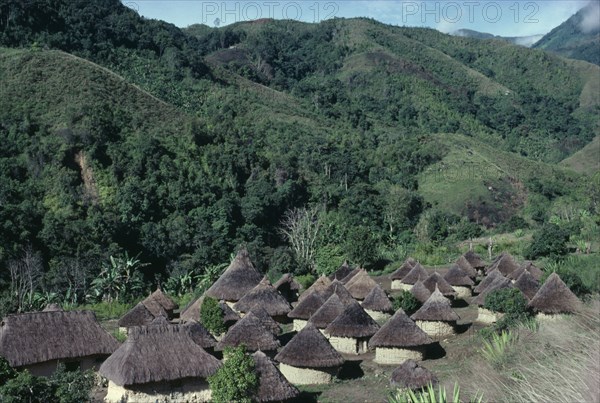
[(167, 149)]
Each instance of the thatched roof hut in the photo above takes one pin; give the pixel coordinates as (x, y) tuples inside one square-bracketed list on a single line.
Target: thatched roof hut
[(229, 315), (145, 366), (487, 280), (404, 269), (161, 299), (192, 310), (420, 292), (435, 280), (337, 288), (554, 297), (474, 260), (250, 332), (200, 335), (309, 358), (306, 308), (52, 308), (505, 265), (350, 331), (417, 273), (485, 315), (360, 285), (411, 375), (377, 301), (267, 321), (288, 287), (527, 284), (530, 268), (272, 385), (350, 275), (460, 281), (436, 317), (142, 314), (240, 277), (465, 266), (342, 272), (318, 286), (398, 340), (38, 340), (265, 296), (327, 313)]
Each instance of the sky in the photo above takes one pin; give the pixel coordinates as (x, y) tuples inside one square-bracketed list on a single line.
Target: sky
[(500, 17)]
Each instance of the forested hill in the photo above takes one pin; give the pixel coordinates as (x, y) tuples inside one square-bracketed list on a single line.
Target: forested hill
[(122, 134)]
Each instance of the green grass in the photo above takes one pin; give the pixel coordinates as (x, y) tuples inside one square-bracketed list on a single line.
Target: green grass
[(107, 310), (586, 160)]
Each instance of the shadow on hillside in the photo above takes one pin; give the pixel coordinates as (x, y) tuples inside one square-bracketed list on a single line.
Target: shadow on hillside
[(351, 370), (435, 351)]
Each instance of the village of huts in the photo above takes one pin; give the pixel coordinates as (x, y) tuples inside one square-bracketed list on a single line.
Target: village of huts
[(344, 329)]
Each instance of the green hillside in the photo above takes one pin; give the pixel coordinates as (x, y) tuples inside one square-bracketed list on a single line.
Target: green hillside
[(586, 160)]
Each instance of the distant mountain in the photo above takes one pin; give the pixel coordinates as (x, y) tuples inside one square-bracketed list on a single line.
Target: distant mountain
[(578, 37), (527, 41)]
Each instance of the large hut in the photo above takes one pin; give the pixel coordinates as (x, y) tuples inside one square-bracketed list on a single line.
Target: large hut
[(141, 315), (402, 271), (331, 309), (554, 297), (250, 332), (342, 272), (38, 341), (420, 292), (460, 281), (435, 280), (360, 285), (309, 358), (159, 363), (288, 287), (272, 385), (318, 286), (267, 297), (350, 332), (412, 376), (378, 305), (527, 284), (417, 273), (398, 340), (305, 309), (485, 315), (240, 277), (436, 317)]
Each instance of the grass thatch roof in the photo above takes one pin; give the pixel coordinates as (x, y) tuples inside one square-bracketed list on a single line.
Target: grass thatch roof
[(309, 349), (353, 322), (436, 308), (474, 260), (272, 385), (437, 281), (288, 287), (158, 354), (250, 332), (535, 271), (192, 310), (239, 278), (307, 306), (400, 331), (350, 275), (327, 313), (417, 273), (403, 270), (266, 320), (527, 284), (318, 286), (505, 265), (265, 296), (342, 272), (52, 308), (200, 335), (420, 292), (499, 283), (336, 287), (360, 285), (377, 300), (410, 375), (140, 315), (465, 266), (555, 297), (162, 299), (31, 338), (229, 315), (458, 277), (487, 280)]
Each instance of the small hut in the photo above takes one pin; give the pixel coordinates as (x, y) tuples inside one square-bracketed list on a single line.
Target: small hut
[(337, 288), (309, 358), (192, 310), (529, 267), (288, 287), (400, 339), (305, 309), (318, 286), (527, 284), (331, 309), (402, 271), (487, 280), (436, 317), (159, 363), (230, 317), (485, 315), (350, 275), (162, 299), (378, 305), (465, 266), (435, 280), (411, 375), (267, 297), (200, 335), (240, 277), (420, 292), (272, 385), (250, 332), (350, 332), (360, 285), (417, 273), (266, 320), (505, 264), (342, 272), (474, 260), (38, 341), (460, 281), (554, 297), (141, 315)]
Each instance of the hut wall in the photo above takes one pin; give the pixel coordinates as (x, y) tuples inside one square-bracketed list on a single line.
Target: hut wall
[(547, 317), (486, 316), (461, 292), (307, 376), (231, 304), (349, 345), (399, 285), (299, 324), (396, 356), (436, 329), (49, 367), (188, 391), (379, 317)]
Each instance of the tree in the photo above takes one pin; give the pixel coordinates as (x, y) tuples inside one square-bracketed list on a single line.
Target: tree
[(211, 316), (236, 380), (120, 279), (301, 228), (26, 388), (550, 240), (25, 275)]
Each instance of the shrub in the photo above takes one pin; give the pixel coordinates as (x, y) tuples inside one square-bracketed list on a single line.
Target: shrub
[(211, 316), (305, 280), (550, 240), (507, 300), (579, 272), (71, 386), (25, 387), (407, 302), (6, 371), (236, 380)]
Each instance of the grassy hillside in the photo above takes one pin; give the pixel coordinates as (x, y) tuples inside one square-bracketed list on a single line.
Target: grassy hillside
[(586, 160)]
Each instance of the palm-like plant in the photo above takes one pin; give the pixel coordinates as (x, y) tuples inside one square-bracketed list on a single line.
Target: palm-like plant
[(118, 279), (429, 394)]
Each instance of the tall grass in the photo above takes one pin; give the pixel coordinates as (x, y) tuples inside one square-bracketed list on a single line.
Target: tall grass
[(430, 394), (497, 349)]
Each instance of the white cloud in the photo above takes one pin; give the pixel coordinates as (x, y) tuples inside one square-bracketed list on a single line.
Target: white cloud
[(591, 18)]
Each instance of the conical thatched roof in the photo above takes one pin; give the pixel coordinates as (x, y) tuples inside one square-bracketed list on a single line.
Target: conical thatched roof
[(436, 308), (309, 349), (239, 278), (499, 282), (200, 335), (192, 310), (272, 385), (465, 266), (527, 284), (308, 306), (350, 275), (158, 354), (417, 273), (342, 272), (487, 280), (399, 331), (229, 315), (288, 287), (403, 270), (456, 276), (516, 273), (36, 337), (353, 322), (266, 320), (535, 271), (336, 287), (318, 286), (250, 332), (265, 296), (474, 260), (52, 308), (140, 315), (160, 321), (420, 292), (162, 299), (327, 313), (377, 300), (436, 280), (410, 375), (555, 297), (360, 285), (505, 265)]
